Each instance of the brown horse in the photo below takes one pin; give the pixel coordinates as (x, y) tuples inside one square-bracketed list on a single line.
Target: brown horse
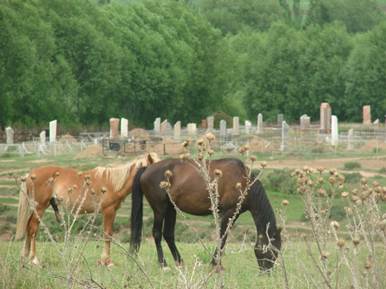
[(190, 194), (98, 190)]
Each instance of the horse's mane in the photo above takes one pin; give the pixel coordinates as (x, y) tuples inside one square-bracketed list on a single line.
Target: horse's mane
[(266, 213), (118, 175)]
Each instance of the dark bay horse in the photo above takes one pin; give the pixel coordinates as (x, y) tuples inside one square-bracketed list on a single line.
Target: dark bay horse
[(189, 192)]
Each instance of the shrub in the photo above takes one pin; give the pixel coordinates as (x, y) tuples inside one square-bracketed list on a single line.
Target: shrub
[(352, 178), (280, 181), (352, 165), (382, 170)]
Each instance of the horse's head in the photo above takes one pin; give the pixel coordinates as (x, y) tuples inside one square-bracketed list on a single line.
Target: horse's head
[(267, 248), (147, 159)]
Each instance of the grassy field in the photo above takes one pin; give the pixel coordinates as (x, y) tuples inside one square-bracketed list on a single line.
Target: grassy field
[(241, 269), (73, 264)]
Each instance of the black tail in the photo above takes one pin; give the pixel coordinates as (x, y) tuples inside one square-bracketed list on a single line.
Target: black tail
[(136, 212), (54, 205)]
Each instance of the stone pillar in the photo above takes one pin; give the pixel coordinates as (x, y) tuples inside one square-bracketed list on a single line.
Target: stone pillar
[(259, 123), (223, 128), (305, 122), (157, 125), (114, 127), (284, 136), (350, 136), (247, 127), (236, 126), (192, 129), (124, 127), (166, 127), (366, 113), (280, 119), (177, 130), (325, 117), (42, 137), (53, 130), (334, 131), (9, 135), (210, 122)]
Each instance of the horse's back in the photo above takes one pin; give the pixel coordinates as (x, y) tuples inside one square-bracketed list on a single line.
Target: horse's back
[(188, 188)]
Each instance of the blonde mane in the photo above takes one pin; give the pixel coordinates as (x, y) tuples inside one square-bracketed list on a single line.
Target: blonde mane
[(118, 175)]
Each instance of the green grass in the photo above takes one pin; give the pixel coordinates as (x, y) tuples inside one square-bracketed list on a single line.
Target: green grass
[(241, 269)]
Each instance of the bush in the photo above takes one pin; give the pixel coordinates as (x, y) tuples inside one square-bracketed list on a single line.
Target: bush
[(352, 178), (382, 170), (352, 165), (280, 181)]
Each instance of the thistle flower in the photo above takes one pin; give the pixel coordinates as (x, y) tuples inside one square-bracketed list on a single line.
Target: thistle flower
[(356, 241), (263, 164), (164, 185), (33, 177), (341, 243), (186, 143), (344, 194), (210, 136), (218, 173), (168, 174), (335, 225), (103, 190), (238, 186), (200, 142), (57, 174), (285, 203), (23, 179), (252, 158)]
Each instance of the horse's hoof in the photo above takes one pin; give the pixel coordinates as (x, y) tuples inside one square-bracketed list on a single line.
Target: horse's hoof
[(106, 262), (180, 264), (35, 261), (218, 268), (166, 268)]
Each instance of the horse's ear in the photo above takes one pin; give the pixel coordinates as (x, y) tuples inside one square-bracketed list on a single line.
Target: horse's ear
[(150, 159)]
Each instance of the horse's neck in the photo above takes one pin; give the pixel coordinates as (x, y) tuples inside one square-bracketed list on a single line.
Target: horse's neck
[(261, 209), (118, 178)]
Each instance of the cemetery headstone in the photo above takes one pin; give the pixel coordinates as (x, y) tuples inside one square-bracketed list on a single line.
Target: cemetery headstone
[(114, 127), (124, 127), (366, 113), (325, 117), (9, 132), (334, 130), (53, 130)]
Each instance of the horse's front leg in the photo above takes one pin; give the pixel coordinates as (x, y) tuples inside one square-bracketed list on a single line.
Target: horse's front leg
[(108, 220), (225, 219)]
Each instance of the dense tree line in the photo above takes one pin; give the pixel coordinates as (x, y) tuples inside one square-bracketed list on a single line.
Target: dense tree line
[(85, 61)]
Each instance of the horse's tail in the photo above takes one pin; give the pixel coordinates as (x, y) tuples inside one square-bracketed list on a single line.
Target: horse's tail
[(24, 210), (136, 212)]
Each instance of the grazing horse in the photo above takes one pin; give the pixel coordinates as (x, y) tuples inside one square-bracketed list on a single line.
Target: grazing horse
[(189, 193), (101, 189)]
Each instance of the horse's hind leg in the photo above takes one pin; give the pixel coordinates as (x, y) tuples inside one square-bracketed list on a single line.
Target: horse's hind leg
[(32, 229), (157, 235), (168, 233)]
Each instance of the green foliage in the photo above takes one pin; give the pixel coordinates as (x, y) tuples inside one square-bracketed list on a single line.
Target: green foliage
[(352, 165), (357, 15), (280, 181), (352, 178), (85, 61)]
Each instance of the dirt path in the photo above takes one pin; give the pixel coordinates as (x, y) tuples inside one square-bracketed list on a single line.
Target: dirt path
[(368, 164)]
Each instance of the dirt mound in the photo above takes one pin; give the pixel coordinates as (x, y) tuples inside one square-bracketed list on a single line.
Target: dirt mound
[(91, 151), (140, 134), (257, 144), (373, 145), (67, 138)]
